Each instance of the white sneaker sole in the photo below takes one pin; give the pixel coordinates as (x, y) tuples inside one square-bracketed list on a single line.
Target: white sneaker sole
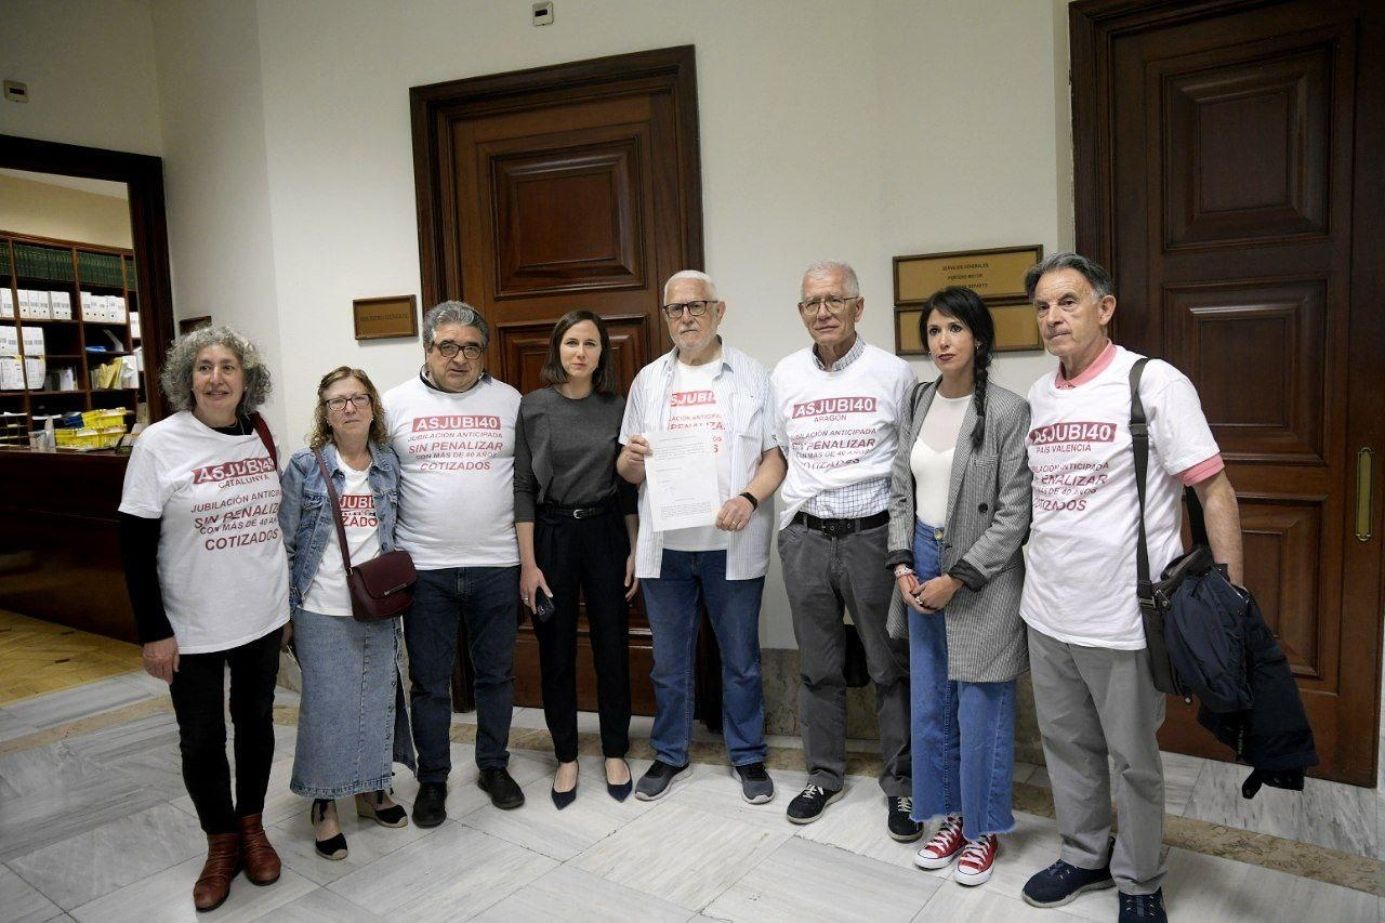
[(644, 796), (1072, 896), (972, 880), (932, 864), (758, 799), (835, 796)]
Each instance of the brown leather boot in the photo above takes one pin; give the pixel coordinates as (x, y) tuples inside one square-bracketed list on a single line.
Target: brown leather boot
[(223, 862), (260, 860)]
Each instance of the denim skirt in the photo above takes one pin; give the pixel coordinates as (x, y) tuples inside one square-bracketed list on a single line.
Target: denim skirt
[(352, 723)]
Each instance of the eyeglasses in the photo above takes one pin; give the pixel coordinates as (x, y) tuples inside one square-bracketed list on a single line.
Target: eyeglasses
[(694, 308), (338, 404), (835, 306), (450, 349)]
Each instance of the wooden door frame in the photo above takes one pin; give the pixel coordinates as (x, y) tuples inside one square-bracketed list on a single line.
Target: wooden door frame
[(1093, 26), (670, 70)]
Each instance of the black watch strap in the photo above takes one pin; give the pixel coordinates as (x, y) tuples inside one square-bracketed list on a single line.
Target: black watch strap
[(754, 504)]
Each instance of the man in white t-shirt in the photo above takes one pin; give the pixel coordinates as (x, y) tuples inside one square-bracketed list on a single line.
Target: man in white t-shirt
[(453, 428), (837, 410), (703, 384), (1092, 686)]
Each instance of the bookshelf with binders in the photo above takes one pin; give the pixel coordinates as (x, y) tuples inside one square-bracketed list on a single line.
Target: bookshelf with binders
[(67, 309)]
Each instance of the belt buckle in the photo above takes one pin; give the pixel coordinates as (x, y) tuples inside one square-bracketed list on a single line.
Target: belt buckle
[(836, 528), (581, 512)]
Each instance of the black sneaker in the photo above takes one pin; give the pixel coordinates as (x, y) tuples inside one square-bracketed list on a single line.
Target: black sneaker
[(1061, 882), (809, 804), (657, 780), (902, 827), (1143, 908), (756, 785), (501, 786), (429, 807)]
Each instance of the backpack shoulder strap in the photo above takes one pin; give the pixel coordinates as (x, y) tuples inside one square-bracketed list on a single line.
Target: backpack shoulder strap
[(1139, 439)]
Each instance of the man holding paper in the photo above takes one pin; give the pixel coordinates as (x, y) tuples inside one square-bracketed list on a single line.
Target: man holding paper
[(699, 439), (837, 409)]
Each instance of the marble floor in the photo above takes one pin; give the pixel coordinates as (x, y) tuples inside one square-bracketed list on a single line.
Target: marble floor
[(95, 826)]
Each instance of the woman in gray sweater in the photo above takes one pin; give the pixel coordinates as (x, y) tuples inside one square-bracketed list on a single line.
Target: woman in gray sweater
[(959, 511), (576, 522)]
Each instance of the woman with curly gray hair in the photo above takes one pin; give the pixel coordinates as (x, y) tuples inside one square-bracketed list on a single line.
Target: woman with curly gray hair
[(209, 585)]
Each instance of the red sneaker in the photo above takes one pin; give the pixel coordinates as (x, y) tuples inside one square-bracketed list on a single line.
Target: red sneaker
[(939, 852), (977, 860)]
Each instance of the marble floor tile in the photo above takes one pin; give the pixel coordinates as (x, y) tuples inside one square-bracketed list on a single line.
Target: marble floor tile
[(48, 794), (805, 881), (856, 823), (715, 790), (1342, 817), (1202, 887), (707, 856), (44, 711), (982, 905), (20, 902), (551, 898), (1181, 773), (82, 868), (366, 842), (453, 874), (541, 827), (167, 896), (146, 748), (12, 727), (321, 906)]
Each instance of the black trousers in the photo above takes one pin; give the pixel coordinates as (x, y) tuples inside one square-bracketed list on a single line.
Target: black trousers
[(587, 555), (198, 702)]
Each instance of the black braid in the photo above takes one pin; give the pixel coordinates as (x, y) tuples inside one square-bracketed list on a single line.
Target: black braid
[(978, 395)]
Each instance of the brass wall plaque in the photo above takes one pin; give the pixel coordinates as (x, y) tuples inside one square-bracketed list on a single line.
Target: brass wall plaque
[(383, 318), (1015, 329), (996, 275)]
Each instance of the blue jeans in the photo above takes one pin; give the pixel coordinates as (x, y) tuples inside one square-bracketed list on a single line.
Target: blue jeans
[(964, 733), (488, 599), (671, 601)]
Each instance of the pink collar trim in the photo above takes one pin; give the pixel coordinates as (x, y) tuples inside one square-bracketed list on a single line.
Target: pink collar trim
[(1108, 355)]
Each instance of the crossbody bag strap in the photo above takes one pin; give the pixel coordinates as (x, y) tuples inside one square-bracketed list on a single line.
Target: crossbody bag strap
[(1139, 439), (262, 430), (336, 510)]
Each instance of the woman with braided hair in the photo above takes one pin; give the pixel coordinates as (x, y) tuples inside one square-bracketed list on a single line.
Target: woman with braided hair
[(959, 511)]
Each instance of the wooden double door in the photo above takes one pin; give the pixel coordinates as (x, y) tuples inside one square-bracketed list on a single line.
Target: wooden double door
[(1228, 165), (562, 188)]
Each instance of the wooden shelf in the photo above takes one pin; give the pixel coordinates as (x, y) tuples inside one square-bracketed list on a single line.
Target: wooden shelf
[(37, 320)]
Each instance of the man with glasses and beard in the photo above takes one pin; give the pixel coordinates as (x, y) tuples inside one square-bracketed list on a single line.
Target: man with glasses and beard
[(453, 427), (703, 384), (837, 407)]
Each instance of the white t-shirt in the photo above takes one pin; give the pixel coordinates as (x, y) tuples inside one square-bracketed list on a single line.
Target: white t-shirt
[(931, 457), (837, 428), (693, 404), (329, 594), (223, 572), (456, 473), (1080, 583)]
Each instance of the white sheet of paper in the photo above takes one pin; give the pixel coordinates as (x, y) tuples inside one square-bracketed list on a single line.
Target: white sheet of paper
[(681, 478)]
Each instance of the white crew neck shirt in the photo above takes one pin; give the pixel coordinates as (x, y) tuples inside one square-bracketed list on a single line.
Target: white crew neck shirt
[(329, 593)]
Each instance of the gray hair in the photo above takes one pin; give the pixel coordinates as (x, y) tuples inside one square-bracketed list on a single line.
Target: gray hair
[(1095, 274), (176, 375), (453, 312), (823, 269), (702, 277)]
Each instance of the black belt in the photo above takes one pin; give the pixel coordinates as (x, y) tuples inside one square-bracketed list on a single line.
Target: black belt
[(834, 528), (575, 512)]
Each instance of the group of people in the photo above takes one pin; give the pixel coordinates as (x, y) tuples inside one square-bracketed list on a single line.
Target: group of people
[(904, 504)]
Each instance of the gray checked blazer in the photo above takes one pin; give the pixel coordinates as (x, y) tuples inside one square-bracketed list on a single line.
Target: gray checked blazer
[(988, 504)]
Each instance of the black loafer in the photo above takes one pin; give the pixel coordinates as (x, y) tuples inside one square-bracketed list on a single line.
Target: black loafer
[(500, 785), (430, 807)]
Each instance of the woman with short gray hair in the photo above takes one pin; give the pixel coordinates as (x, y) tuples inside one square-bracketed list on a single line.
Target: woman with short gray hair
[(208, 580)]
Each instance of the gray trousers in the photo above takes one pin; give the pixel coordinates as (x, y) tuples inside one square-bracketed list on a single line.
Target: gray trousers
[(824, 575), (1092, 702)]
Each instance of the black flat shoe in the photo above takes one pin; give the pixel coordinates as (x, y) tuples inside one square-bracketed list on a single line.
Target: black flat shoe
[(622, 791), (368, 806), (563, 799), (333, 848)]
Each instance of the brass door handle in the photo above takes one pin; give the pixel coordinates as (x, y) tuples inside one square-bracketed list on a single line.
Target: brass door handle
[(1365, 464)]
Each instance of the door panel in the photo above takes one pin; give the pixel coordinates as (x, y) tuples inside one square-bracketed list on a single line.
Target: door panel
[(1218, 180), (551, 190)]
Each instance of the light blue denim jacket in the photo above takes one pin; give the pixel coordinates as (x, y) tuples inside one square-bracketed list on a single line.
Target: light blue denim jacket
[(306, 520)]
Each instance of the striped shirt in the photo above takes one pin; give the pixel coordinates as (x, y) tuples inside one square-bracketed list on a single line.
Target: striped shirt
[(742, 387)]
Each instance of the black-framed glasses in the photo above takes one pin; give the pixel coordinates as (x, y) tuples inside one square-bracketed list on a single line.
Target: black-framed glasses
[(834, 305), (694, 308), (450, 349), (338, 404)]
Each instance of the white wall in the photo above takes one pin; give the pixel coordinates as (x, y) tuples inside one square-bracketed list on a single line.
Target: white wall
[(89, 65), (829, 129)]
